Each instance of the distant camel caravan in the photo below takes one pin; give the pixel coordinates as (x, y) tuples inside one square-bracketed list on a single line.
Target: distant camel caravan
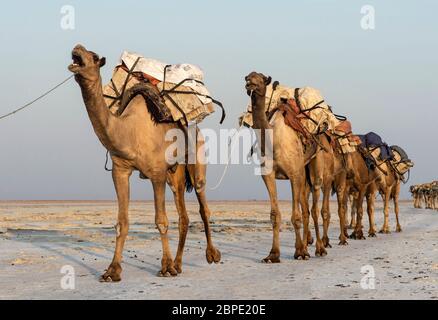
[(427, 193), (137, 142), (299, 139), (315, 148)]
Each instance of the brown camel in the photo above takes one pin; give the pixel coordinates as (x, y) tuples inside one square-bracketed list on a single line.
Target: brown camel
[(287, 163), (136, 142)]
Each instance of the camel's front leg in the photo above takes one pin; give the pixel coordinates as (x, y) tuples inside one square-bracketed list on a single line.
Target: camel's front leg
[(370, 211), (298, 198), (162, 223), (316, 168), (121, 182), (274, 255), (341, 195)]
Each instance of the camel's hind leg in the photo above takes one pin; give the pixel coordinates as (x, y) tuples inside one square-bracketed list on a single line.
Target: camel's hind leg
[(358, 232), (197, 175), (353, 211), (162, 223), (177, 184), (121, 183), (274, 255)]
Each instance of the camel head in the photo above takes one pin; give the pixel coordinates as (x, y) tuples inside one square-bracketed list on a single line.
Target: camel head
[(86, 64), (257, 82)]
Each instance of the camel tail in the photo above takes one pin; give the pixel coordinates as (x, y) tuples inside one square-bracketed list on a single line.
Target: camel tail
[(308, 179), (189, 184), (333, 189)]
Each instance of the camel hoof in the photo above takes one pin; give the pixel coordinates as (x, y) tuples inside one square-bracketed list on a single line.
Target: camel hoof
[(112, 274), (167, 269), (372, 234), (178, 266), (357, 236), (320, 252), (385, 231), (272, 258), (343, 243), (326, 242), (213, 255), (310, 241), (301, 254), (398, 229)]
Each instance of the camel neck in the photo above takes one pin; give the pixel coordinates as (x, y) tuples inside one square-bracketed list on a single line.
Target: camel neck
[(260, 120), (97, 110)]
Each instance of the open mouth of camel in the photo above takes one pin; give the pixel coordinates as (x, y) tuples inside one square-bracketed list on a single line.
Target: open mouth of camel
[(77, 60)]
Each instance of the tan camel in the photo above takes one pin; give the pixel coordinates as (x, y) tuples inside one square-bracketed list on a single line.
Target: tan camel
[(328, 172), (363, 182), (287, 163), (389, 187), (136, 142)]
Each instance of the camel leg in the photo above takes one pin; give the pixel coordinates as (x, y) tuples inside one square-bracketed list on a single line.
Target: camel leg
[(316, 180), (162, 223), (341, 197), (298, 198), (274, 255), (396, 208), (371, 195), (353, 211), (307, 196), (358, 233), (176, 181), (386, 196), (326, 213), (121, 183), (212, 253)]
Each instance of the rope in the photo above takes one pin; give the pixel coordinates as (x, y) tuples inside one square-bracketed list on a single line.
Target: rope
[(230, 143), (36, 99)]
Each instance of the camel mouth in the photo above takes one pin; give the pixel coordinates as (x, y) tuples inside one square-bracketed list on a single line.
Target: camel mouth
[(77, 62), (250, 86), (77, 59)]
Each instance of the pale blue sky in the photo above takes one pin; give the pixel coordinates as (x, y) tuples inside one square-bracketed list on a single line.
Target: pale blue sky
[(384, 80)]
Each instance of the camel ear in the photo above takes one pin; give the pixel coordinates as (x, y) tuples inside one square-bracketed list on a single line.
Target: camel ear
[(268, 80), (102, 62)]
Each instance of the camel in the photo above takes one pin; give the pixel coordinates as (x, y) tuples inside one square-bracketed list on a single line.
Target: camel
[(362, 180), (287, 163), (136, 142), (389, 188), (327, 171)]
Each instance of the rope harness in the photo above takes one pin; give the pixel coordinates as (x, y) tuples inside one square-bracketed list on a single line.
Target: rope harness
[(36, 99)]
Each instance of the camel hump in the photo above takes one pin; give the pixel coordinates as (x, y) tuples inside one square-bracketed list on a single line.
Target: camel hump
[(155, 103)]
